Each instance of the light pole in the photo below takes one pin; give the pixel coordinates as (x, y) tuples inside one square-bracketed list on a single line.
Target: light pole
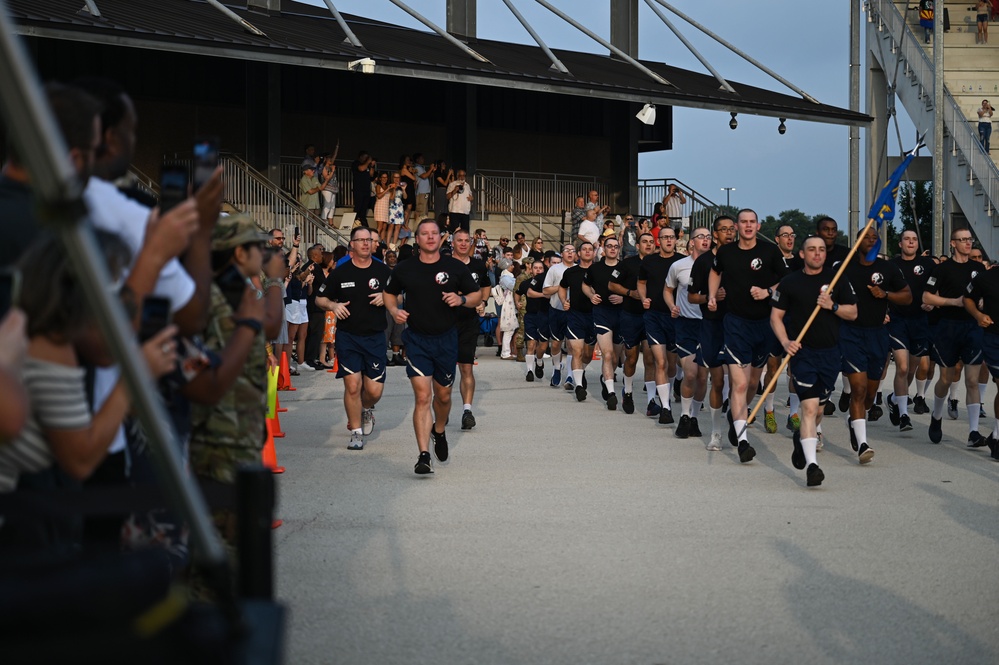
[(728, 195)]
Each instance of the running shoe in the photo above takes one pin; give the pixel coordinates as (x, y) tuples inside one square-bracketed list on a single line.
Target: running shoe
[(919, 406), (653, 409), (746, 452), (874, 413), (844, 402), (715, 442), (993, 445), (798, 454), (530, 377), (627, 402), (952, 409), (580, 393), (732, 438), (440, 446), (611, 402), (818, 445), (893, 415), (467, 420), (904, 423), (666, 416), (794, 422), (356, 442), (853, 438), (604, 393), (308, 366), (814, 475), (829, 408), (556, 377), (683, 427), (423, 465), (570, 383), (695, 429), (539, 370), (865, 454), (976, 440), (770, 422), (936, 429), (367, 421)]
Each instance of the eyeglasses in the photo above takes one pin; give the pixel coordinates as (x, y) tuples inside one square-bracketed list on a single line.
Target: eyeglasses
[(667, 237), (611, 246), (504, 240), (726, 229), (629, 219), (968, 239), (701, 236), (362, 240), (786, 235)]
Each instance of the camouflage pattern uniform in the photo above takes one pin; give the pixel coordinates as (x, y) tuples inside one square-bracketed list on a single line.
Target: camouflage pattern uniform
[(521, 309)]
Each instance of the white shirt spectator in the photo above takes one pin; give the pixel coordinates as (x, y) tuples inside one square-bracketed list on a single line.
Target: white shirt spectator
[(461, 203), (589, 231)]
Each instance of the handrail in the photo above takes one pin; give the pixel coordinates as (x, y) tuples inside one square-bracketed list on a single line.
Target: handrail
[(516, 208), (143, 181), (652, 190), (957, 124), (546, 194)]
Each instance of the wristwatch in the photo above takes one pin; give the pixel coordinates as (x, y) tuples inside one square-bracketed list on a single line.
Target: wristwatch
[(835, 307), (464, 300)]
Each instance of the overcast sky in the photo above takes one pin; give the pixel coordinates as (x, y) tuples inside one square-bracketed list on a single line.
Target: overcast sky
[(806, 42)]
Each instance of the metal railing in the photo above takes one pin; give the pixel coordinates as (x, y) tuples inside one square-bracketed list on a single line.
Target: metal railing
[(697, 208), (143, 182), (290, 173), (546, 194), (956, 123), (493, 196)]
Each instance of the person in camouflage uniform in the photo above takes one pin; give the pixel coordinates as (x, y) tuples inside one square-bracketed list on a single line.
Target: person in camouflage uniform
[(525, 274)]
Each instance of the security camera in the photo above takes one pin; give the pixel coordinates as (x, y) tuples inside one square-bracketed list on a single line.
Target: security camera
[(367, 65), (781, 128), (733, 123)]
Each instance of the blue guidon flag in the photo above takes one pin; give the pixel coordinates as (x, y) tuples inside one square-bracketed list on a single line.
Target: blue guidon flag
[(883, 209)]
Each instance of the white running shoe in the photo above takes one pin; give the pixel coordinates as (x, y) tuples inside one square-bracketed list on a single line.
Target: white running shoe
[(367, 421), (715, 442)]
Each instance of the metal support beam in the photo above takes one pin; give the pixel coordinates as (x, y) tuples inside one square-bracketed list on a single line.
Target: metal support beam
[(941, 224), (603, 42), (461, 18), (854, 203), (738, 52), (439, 30), (351, 37), (249, 27), (91, 7), (556, 63), (690, 47), (624, 25)]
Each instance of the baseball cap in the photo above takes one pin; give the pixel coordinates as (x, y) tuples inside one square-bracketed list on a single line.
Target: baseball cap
[(234, 230)]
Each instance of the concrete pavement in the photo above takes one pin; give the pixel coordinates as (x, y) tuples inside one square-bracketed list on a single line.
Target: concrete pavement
[(563, 533)]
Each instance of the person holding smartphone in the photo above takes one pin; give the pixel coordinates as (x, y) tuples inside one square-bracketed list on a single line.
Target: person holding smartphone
[(985, 124), (459, 196)]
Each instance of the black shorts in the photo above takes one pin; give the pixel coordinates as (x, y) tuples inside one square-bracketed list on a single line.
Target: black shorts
[(864, 350), (536, 326), (434, 356), (747, 341), (468, 339), (956, 340), (909, 333), (364, 354), (814, 372)]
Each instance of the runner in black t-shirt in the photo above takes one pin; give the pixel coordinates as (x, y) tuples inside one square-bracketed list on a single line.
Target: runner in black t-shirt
[(752, 268), (864, 342), (579, 317), (606, 314), (535, 321), (434, 285), (632, 325), (468, 324), (353, 292), (660, 332), (984, 288), (815, 360), (908, 329), (828, 230), (956, 335)]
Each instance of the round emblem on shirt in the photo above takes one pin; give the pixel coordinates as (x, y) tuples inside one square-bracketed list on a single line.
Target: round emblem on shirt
[(475, 276), (877, 278), (441, 278), (918, 270), (825, 287), (974, 274), (373, 284), (756, 264)]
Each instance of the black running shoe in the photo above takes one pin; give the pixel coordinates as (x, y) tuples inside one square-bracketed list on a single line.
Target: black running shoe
[(829, 408), (467, 420), (904, 423), (683, 427), (611, 402), (627, 403), (893, 416), (539, 370), (423, 466), (919, 406), (878, 398), (725, 406), (580, 393), (666, 417), (653, 409), (844, 402), (798, 454), (993, 445), (936, 429), (440, 445), (732, 438), (874, 413), (746, 452), (814, 475), (695, 429), (976, 440), (530, 377), (853, 438), (865, 454), (603, 392)]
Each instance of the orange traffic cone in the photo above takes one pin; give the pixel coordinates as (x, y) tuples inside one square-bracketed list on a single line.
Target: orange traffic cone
[(336, 366), (276, 426), (284, 376), (270, 454), (279, 409)]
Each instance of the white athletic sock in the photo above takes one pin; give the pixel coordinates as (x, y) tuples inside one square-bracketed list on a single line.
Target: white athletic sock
[(663, 392), (768, 403), (795, 403), (938, 407), (685, 405), (695, 407), (902, 402), (953, 391), (740, 430), (650, 389), (818, 428), (715, 412), (466, 407), (609, 383), (974, 410), (860, 430), (577, 377), (529, 361), (357, 431), (921, 388), (629, 384), (982, 387), (808, 446)]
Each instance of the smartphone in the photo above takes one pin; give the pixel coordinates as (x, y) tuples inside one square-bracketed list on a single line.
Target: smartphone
[(155, 316), (173, 186), (206, 159), (295, 237), (232, 283), (10, 289)]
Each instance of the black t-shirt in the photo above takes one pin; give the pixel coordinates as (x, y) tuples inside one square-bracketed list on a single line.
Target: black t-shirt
[(425, 284), (916, 272), (653, 272), (534, 305), (699, 274), (309, 291), (870, 310), (796, 295), (572, 281), (599, 278), (985, 287), (835, 256), (794, 262), (350, 284), (481, 276), (362, 180), (18, 224), (950, 279), (762, 265), (629, 269)]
